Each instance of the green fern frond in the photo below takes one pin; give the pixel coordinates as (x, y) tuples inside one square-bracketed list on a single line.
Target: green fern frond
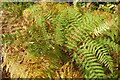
[(111, 45), (80, 35), (100, 52), (92, 68), (59, 38), (63, 21), (113, 33), (39, 37), (58, 24), (101, 29), (76, 35), (107, 29), (75, 31), (8, 38), (69, 16)]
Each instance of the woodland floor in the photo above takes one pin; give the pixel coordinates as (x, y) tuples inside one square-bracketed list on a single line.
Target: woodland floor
[(20, 64)]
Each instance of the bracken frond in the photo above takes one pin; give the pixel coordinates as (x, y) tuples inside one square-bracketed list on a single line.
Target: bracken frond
[(87, 38), (100, 52), (111, 45), (92, 67)]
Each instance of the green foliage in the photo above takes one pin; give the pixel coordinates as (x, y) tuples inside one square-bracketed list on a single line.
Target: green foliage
[(100, 52), (92, 68), (15, 8), (83, 33), (7, 38), (89, 39), (63, 21), (111, 45)]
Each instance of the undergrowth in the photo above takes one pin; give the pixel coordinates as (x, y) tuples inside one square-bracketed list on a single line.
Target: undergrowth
[(87, 39)]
